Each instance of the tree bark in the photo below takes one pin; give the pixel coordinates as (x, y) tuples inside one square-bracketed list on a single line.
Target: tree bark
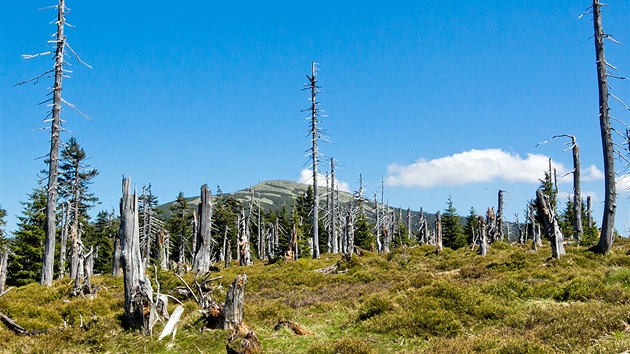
[(482, 239), (4, 256), (63, 242), (233, 307), (138, 291), (48, 260), (577, 194), (550, 224), (499, 231), (315, 158), (608, 222), (117, 254), (438, 232), (204, 238)]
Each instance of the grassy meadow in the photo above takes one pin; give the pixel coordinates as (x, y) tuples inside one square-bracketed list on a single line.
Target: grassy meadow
[(411, 300)]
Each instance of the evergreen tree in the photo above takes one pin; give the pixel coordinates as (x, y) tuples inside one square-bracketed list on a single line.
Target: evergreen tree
[(566, 220), (548, 188), (25, 265), (225, 211), (471, 227), (179, 225), (363, 236), (101, 235), (452, 232), (75, 177)]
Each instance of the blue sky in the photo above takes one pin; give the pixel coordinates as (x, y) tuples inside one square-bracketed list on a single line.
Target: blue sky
[(439, 98)]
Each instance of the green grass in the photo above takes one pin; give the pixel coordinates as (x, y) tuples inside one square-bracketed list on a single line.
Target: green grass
[(411, 300)]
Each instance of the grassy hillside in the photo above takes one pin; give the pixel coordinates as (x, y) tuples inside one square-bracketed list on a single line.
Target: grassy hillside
[(411, 300)]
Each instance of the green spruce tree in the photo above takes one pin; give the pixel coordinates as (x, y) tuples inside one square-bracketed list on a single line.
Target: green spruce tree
[(452, 232), (25, 265)]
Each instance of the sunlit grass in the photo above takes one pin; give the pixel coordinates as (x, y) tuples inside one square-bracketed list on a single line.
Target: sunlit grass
[(411, 300)]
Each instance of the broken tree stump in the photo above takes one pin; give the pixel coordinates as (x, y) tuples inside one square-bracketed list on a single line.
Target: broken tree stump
[(138, 291)]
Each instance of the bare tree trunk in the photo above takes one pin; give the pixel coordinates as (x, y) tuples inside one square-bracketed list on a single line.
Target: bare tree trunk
[(204, 239), (228, 254), (482, 239), (117, 254), (499, 232), (233, 308), (577, 194), (163, 247), (4, 256), (315, 158), (51, 198), (348, 235), (245, 253), (65, 211), (608, 222), (589, 217), (550, 222), (438, 232), (408, 224), (138, 291)]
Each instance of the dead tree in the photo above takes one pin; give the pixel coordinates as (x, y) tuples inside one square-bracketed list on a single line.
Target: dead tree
[(423, 229), (499, 221), (315, 134), (438, 232), (116, 255), (204, 240), (58, 72), (577, 194), (608, 222), (138, 291), (244, 252), (4, 256), (482, 239), (491, 225), (347, 247), (589, 217), (550, 223), (535, 227), (577, 197), (233, 308), (408, 224), (63, 241)]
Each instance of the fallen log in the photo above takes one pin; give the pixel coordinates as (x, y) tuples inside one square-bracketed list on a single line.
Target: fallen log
[(17, 328)]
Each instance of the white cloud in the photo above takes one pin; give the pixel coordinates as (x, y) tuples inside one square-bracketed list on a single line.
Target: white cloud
[(592, 173), (472, 166), (623, 184), (306, 177)]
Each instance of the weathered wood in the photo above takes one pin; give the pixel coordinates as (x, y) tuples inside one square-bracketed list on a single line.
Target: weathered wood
[(244, 251), (53, 156), (172, 322), (233, 307), (116, 255), (315, 157), (550, 224), (204, 241), (348, 235), (482, 238), (138, 291), (17, 328), (438, 232), (499, 232), (294, 327), (4, 256), (63, 241), (228, 254), (608, 222)]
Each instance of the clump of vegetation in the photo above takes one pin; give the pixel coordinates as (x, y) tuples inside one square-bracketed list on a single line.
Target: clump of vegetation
[(412, 300)]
